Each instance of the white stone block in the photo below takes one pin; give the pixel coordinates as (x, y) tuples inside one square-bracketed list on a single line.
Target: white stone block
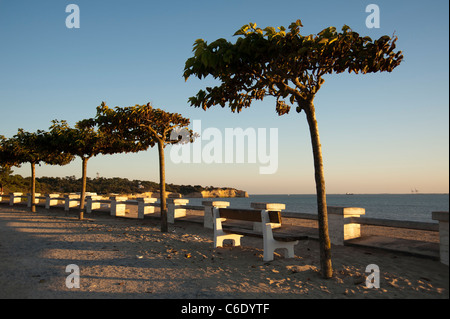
[(15, 198), (117, 205), (72, 201), (442, 217), (339, 229), (172, 211), (272, 207), (144, 209), (51, 200), (36, 200), (208, 221)]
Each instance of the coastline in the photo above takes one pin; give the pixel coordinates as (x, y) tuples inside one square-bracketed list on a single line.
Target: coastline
[(313, 194), (396, 207), (129, 258)]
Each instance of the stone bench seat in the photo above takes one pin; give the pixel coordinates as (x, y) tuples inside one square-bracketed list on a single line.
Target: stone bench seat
[(272, 238)]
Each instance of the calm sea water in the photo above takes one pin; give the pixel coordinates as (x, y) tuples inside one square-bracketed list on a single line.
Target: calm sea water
[(412, 207)]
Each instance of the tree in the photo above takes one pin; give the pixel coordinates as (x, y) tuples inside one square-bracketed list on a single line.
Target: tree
[(85, 141), (146, 127), (290, 67), (33, 148), (5, 170)]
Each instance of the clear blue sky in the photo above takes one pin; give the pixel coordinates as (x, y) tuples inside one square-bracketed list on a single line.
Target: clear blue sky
[(380, 133)]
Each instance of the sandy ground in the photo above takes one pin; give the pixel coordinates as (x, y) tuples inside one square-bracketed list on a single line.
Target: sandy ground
[(129, 258)]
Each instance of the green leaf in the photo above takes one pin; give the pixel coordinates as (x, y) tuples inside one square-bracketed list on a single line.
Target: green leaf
[(298, 23), (204, 59), (345, 28), (270, 31)]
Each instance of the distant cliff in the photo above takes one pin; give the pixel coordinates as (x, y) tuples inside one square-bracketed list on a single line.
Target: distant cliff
[(217, 193), (211, 193)]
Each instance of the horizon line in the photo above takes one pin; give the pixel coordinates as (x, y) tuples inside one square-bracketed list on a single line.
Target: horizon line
[(292, 194)]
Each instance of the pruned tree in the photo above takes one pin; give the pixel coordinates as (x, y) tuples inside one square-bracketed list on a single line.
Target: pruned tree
[(145, 126), (33, 148), (5, 172), (85, 141), (290, 67), (5, 167)]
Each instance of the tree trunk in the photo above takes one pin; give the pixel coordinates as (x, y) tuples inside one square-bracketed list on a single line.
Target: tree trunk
[(33, 187), (162, 187), (324, 239), (83, 187)]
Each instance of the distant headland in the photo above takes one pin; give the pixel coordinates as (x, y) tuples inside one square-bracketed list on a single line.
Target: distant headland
[(218, 192), (116, 185)]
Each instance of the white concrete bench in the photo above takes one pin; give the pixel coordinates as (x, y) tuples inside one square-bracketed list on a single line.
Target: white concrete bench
[(37, 197), (94, 202), (118, 205), (174, 210), (15, 198), (340, 224), (208, 218), (442, 217), (272, 238), (146, 206), (71, 201), (52, 200)]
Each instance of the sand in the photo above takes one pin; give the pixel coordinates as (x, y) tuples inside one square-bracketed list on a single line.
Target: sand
[(130, 258)]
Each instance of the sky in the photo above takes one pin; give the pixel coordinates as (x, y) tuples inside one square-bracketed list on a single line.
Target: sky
[(380, 133)]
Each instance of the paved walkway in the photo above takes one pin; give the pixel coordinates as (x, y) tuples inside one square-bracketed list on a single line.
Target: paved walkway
[(409, 247)]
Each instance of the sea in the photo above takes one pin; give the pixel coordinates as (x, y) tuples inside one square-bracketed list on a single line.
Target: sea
[(408, 207)]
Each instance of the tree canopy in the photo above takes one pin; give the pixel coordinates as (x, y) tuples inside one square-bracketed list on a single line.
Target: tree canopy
[(26, 147), (85, 140), (33, 148), (140, 124), (283, 63)]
